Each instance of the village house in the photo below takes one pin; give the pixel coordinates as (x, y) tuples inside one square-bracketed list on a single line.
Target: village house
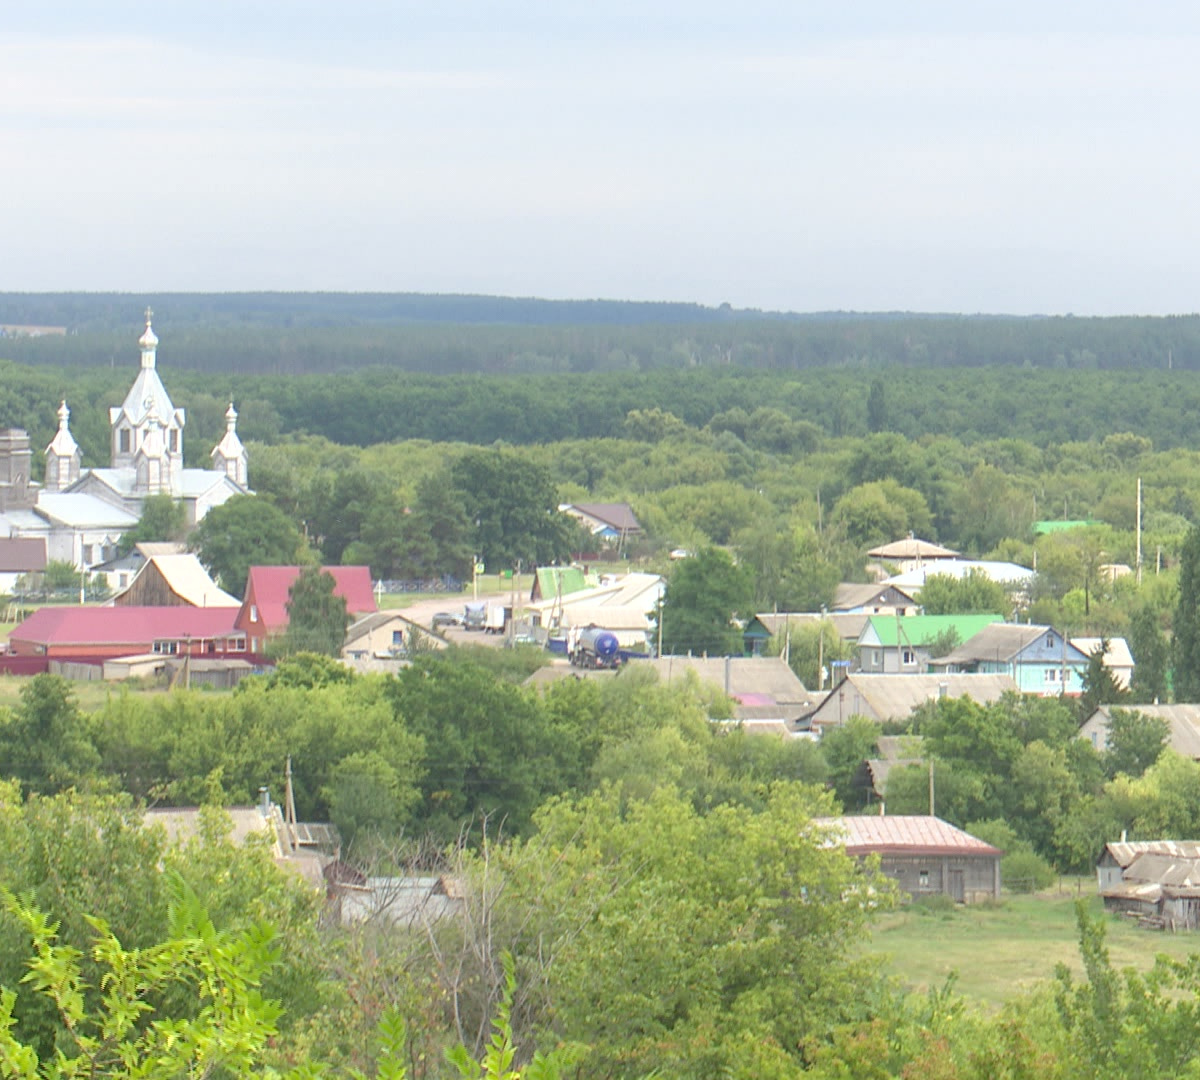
[(911, 553), (872, 599), (264, 611), (175, 580), (1155, 881), (1038, 658), (610, 523), (924, 855), (906, 644), (892, 698), (1183, 726), (95, 634)]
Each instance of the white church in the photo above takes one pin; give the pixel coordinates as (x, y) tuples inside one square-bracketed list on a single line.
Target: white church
[(82, 513)]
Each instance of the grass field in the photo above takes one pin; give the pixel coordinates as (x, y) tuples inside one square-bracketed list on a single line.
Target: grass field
[(996, 951)]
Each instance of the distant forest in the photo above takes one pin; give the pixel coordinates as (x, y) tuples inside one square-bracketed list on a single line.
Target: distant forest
[(322, 333), (362, 369)]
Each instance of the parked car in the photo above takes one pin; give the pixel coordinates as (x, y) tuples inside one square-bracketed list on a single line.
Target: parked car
[(445, 618)]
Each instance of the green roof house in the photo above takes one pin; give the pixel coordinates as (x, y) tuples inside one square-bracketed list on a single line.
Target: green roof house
[(904, 645)]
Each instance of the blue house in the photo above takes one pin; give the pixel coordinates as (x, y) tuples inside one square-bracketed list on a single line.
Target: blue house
[(1039, 658)]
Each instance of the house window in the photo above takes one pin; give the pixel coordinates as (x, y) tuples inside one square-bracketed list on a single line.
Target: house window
[(167, 648), (1049, 641), (254, 613), (874, 656), (397, 637), (1051, 675), (908, 657), (237, 644), (124, 440), (924, 875)]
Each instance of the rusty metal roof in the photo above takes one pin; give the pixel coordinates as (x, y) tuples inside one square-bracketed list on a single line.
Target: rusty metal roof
[(905, 834)]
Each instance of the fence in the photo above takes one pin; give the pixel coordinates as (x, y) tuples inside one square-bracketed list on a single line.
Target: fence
[(420, 585)]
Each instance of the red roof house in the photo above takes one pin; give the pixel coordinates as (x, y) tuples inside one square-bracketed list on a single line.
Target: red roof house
[(264, 615), (922, 854), (108, 632)]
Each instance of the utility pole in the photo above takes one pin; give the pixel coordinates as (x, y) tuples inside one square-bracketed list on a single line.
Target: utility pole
[(1139, 531)]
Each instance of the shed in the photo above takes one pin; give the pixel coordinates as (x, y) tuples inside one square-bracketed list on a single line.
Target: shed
[(924, 855)]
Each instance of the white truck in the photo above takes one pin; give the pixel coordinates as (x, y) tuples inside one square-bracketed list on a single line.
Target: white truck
[(496, 619)]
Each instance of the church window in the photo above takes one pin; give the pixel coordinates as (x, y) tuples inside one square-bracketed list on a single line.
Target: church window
[(124, 440), (174, 441)]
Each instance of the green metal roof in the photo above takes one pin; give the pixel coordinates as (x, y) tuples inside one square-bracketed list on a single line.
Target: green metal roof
[(1040, 527), (559, 581), (925, 629)]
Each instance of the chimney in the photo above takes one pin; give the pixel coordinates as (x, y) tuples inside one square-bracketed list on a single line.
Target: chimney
[(264, 801)]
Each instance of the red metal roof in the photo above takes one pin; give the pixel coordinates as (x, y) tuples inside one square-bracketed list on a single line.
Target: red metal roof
[(122, 625), (905, 833), (267, 588)]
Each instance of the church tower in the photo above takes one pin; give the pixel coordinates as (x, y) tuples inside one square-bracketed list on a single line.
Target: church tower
[(229, 455), (63, 456), (148, 416)]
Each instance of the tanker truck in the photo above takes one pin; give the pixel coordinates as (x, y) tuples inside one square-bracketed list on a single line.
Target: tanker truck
[(594, 647)]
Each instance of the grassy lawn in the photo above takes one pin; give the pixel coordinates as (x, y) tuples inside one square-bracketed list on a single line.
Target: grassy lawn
[(998, 951), (90, 695)]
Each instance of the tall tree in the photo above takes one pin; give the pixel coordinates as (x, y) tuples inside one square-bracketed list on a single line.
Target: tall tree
[(514, 505), (246, 531), (1187, 621), (703, 596), (317, 616), (163, 518), (1151, 654), (1100, 686)]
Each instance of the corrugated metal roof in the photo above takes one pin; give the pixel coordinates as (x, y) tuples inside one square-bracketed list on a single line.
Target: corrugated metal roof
[(911, 547), (915, 630), (898, 833), (270, 585), (1124, 852), (998, 642), (893, 697), (737, 675), (918, 834), (122, 625)]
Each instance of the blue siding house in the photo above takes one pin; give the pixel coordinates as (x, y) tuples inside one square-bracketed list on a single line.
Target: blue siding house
[(1039, 658)]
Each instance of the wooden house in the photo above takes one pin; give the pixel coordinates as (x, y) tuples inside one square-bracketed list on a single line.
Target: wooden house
[(925, 855), (177, 580)]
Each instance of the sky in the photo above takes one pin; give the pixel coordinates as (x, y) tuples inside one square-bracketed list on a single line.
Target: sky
[(1012, 157)]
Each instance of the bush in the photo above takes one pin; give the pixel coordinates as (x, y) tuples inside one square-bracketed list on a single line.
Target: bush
[(1025, 871)]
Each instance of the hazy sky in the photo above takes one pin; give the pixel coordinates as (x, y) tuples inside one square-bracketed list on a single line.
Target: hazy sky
[(999, 157)]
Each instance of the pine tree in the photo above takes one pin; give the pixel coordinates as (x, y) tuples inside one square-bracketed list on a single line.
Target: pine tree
[(1187, 621), (317, 617)]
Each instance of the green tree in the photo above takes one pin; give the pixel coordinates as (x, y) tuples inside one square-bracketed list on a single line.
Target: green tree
[(163, 518), (1151, 653), (1100, 686), (877, 410), (1134, 742), (974, 592), (704, 595), (129, 1034), (1187, 621), (47, 743), (317, 616), (246, 531), (514, 504)]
